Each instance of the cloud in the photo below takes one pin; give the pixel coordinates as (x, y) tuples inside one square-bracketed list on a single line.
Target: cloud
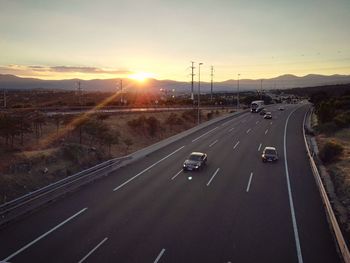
[(90, 70), (18, 69)]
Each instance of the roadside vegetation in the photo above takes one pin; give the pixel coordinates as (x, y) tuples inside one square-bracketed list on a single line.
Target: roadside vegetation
[(37, 149), (331, 123)]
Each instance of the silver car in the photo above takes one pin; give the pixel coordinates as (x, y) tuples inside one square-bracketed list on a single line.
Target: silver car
[(195, 161)]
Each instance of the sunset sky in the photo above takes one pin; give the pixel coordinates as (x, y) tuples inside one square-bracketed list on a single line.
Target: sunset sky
[(118, 38)]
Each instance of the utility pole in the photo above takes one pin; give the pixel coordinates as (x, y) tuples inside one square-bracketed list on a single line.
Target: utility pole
[(238, 91), (5, 99), (211, 83), (199, 91), (121, 91), (192, 83), (79, 92)]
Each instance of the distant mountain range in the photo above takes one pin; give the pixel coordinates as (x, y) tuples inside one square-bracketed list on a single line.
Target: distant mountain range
[(11, 82)]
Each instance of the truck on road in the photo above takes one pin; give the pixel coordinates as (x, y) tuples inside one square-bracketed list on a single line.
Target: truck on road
[(257, 106)]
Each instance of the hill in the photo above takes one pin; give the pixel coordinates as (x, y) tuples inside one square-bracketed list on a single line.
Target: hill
[(11, 82)]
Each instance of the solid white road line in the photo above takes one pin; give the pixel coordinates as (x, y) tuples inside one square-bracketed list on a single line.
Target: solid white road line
[(135, 176), (44, 235), (266, 131), (250, 180), (204, 134), (210, 145), (294, 221), (159, 256), (259, 147), (248, 130), (93, 250), (217, 170), (270, 123), (230, 130), (172, 178), (234, 147)]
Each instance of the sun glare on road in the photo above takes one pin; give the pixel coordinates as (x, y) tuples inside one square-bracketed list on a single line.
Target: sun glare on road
[(141, 76)]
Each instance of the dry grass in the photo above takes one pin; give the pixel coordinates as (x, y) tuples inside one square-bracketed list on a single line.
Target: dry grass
[(16, 180), (340, 174)]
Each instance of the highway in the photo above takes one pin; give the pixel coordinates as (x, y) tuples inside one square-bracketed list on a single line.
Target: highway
[(237, 209)]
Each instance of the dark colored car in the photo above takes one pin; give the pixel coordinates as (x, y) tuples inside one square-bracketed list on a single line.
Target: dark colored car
[(196, 161), (269, 154)]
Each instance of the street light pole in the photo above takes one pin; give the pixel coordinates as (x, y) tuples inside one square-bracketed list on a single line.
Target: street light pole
[(238, 91), (211, 84), (192, 83), (199, 91)]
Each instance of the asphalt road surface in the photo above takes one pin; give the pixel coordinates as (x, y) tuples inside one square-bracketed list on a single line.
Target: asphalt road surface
[(237, 209)]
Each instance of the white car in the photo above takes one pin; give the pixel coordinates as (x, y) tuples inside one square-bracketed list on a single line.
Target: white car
[(268, 115), (269, 154)]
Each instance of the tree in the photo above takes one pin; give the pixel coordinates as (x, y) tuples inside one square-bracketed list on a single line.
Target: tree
[(128, 142), (12, 125), (110, 138), (138, 124), (173, 120), (153, 125), (38, 119), (102, 116), (325, 111), (57, 119), (6, 125), (22, 126)]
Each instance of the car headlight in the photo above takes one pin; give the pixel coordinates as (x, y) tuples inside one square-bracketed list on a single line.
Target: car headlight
[(184, 165), (196, 166)]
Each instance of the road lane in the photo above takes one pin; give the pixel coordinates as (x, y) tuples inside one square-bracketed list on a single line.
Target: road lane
[(316, 241)]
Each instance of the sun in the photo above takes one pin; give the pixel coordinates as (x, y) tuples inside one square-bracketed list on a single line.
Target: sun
[(141, 76)]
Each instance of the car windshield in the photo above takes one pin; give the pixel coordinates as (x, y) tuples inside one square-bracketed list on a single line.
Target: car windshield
[(270, 151), (194, 157)]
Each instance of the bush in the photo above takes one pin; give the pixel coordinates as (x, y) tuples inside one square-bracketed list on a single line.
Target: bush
[(342, 120), (210, 115), (330, 152), (72, 152), (138, 124), (153, 125), (190, 115), (325, 112), (327, 128), (173, 120)]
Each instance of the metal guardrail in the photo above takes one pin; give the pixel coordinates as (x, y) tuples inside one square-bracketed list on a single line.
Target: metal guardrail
[(32, 200), (338, 236)]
